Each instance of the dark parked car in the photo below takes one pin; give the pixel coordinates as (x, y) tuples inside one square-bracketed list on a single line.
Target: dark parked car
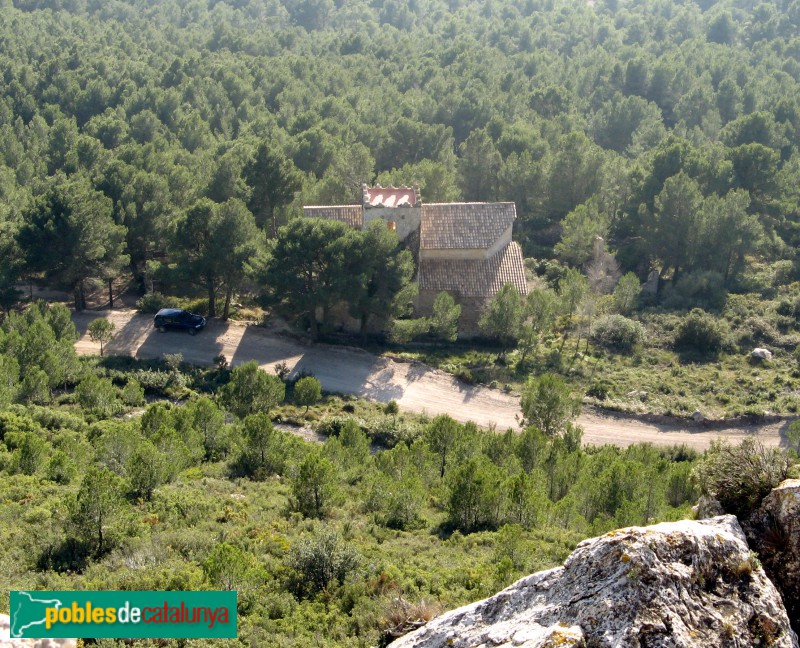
[(175, 318)]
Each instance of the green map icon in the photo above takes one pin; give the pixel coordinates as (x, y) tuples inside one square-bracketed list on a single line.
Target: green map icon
[(29, 612)]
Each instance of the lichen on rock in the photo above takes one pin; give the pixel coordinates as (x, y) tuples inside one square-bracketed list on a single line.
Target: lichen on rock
[(688, 584), (773, 531)]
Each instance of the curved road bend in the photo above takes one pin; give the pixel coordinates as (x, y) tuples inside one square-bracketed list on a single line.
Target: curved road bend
[(414, 386)]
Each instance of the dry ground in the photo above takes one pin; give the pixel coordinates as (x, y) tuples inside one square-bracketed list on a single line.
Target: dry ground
[(416, 387)]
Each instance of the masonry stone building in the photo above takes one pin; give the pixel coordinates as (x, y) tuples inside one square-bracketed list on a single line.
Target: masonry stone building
[(462, 248)]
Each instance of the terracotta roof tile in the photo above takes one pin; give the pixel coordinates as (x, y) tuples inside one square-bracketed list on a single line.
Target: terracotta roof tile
[(464, 225), (348, 214), (475, 278)]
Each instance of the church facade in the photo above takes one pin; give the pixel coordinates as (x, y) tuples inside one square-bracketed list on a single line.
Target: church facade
[(464, 249)]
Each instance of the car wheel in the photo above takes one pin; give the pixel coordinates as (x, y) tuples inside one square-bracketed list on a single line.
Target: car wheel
[(192, 331), (162, 329)]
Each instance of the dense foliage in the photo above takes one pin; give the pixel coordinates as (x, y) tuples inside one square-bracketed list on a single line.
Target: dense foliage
[(325, 543), (669, 130)]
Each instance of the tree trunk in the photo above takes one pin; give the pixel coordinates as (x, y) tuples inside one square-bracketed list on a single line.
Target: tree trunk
[(212, 300), (110, 294), (227, 308), (80, 297), (312, 325), (364, 322)]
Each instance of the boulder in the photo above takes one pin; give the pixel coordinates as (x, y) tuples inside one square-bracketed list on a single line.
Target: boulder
[(708, 507), (773, 531), (7, 642), (761, 354), (697, 416), (650, 287), (678, 585)]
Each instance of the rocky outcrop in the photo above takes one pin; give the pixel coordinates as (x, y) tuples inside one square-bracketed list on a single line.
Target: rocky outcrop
[(761, 354), (679, 584), (6, 642), (773, 531)]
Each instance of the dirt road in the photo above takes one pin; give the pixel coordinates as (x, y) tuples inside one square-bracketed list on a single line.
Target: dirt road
[(416, 387)]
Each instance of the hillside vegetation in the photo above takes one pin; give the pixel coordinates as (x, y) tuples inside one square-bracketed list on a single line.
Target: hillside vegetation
[(120, 474), (153, 140)]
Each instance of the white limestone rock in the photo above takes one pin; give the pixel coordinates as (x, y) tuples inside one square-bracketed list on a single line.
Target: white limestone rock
[(688, 584), (761, 354), (773, 531), (7, 642)]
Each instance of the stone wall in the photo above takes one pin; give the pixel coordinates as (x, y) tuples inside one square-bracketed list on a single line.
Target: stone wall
[(406, 218)]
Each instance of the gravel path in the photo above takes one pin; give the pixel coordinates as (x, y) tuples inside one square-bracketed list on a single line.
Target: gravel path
[(416, 387)]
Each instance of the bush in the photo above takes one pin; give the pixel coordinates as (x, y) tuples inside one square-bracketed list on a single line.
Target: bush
[(760, 331), (599, 390), (314, 486), (739, 477), (702, 288), (307, 391), (548, 403), (132, 393), (322, 561), (617, 332), (152, 381), (97, 396), (702, 333), (154, 302), (333, 426), (403, 331), (251, 390)]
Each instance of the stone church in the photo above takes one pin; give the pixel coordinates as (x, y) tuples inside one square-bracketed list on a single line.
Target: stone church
[(464, 249)]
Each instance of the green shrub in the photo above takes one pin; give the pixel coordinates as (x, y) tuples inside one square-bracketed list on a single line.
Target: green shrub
[(132, 393), (314, 486), (617, 332), (740, 476), (701, 333), (152, 381), (307, 391), (403, 331), (788, 307), (154, 302), (760, 331), (97, 396), (599, 390), (333, 426), (322, 560), (703, 288), (198, 305)]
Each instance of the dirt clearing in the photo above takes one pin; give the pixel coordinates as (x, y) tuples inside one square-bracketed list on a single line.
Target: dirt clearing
[(416, 387)]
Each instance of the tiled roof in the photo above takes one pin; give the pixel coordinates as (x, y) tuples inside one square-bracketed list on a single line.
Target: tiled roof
[(475, 278), (464, 225), (348, 214), (389, 196)]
